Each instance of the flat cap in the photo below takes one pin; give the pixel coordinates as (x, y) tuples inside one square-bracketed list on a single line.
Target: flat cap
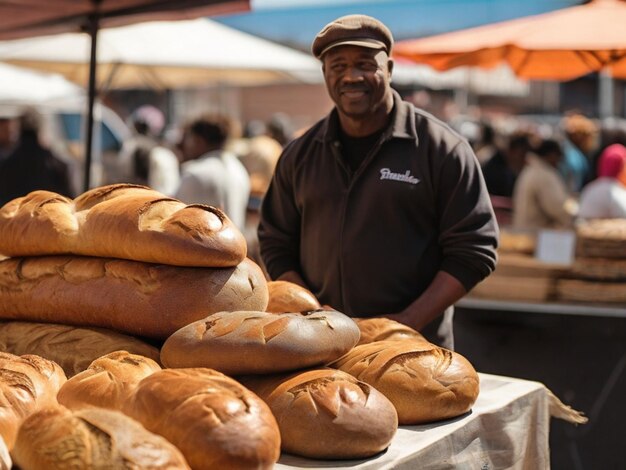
[(355, 30)]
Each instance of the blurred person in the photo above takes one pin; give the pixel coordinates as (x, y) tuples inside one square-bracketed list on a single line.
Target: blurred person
[(210, 174), (143, 159), (280, 128), (259, 161), (254, 128), (540, 197), (502, 169), (486, 146), (31, 165), (7, 137), (605, 197), (578, 145), (379, 209)]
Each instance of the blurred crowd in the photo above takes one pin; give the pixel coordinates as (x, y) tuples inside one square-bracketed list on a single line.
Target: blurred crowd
[(209, 159), (542, 175), (539, 175)]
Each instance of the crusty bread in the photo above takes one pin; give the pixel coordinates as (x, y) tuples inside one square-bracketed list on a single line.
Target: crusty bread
[(73, 348), (27, 383), (108, 382), (215, 422), (288, 297), (56, 438), (249, 342), (327, 414), (129, 296), (381, 329), (424, 382), (120, 221), (5, 457)]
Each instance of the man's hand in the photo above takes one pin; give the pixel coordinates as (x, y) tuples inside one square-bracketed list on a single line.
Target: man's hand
[(293, 276), (444, 291)]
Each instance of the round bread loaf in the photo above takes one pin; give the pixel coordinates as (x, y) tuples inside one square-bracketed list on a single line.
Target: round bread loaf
[(5, 458), (152, 300), (381, 329), (120, 221), (423, 381), (286, 297), (27, 383), (56, 438), (73, 348), (108, 382), (215, 421), (238, 343), (327, 414)]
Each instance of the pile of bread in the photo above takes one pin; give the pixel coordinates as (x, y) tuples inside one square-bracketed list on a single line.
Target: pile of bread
[(136, 334), (598, 273)]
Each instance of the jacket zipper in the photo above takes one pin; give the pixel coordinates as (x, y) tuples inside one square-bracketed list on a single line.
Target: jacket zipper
[(352, 182)]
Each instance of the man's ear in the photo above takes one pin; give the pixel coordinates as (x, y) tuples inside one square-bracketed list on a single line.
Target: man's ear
[(390, 66)]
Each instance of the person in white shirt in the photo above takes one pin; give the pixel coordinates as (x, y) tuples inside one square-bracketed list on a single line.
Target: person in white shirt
[(605, 197), (210, 174)]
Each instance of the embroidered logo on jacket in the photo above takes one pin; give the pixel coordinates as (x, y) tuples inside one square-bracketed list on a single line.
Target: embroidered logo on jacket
[(407, 177)]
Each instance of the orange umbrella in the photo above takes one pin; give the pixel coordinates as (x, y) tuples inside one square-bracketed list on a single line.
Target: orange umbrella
[(560, 45)]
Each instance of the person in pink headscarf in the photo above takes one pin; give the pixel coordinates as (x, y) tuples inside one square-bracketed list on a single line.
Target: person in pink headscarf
[(605, 197)]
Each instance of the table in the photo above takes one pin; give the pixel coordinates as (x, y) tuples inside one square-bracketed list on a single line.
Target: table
[(508, 427), (558, 308)]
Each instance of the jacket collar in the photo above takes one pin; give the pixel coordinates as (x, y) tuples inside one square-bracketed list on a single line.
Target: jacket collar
[(401, 126)]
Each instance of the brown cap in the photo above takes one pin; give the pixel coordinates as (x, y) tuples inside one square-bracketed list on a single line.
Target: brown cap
[(355, 30)]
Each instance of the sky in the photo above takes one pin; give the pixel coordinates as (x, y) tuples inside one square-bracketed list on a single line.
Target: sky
[(296, 22)]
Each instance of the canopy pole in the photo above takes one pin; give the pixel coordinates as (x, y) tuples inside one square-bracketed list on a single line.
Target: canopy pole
[(92, 29), (605, 94)]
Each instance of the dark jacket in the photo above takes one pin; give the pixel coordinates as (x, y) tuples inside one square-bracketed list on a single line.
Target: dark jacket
[(372, 242), (30, 167)]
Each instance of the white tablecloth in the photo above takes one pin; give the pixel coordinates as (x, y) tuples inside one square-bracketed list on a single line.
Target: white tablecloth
[(508, 427)]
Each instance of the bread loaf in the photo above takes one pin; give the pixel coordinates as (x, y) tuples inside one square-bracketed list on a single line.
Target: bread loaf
[(5, 458), (108, 382), (120, 221), (129, 296), (381, 329), (71, 347), (423, 381), (56, 438), (216, 422), (27, 383), (327, 414), (246, 342), (288, 297)]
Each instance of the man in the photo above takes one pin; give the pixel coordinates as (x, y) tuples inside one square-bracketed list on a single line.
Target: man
[(209, 174), (31, 165), (502, 169), (379, 209), (541, 199)]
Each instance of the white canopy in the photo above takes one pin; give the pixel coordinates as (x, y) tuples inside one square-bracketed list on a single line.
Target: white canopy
[(165, 55), (20, 86)]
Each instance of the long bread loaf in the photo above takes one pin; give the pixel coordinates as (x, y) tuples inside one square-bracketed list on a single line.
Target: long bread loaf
[(120, 221), (71, 347), (247, 342), (137, 298)]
